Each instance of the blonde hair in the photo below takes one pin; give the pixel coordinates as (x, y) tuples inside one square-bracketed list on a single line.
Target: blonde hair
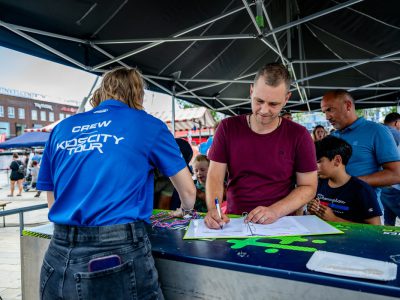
[(200, 158), (123, 84)]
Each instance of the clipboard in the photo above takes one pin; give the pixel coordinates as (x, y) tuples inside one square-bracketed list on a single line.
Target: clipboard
[(285, 226)]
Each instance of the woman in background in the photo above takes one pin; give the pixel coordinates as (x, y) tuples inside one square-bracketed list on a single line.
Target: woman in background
[(319, 133), (16, 175)]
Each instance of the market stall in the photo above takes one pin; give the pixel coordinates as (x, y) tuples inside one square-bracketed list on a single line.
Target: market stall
[(251, 268)]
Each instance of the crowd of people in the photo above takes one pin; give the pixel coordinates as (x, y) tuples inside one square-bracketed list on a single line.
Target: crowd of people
[(101, 192)]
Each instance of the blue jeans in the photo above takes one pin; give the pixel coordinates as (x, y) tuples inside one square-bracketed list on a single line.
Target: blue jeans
[(65, 274), (390, 198)]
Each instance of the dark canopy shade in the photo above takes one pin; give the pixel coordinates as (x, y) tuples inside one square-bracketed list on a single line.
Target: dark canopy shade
[(209, 50), (28, 139)]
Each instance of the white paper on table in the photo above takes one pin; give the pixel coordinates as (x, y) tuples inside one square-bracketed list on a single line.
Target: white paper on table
[(286, 226), (352, 266), (236, 227)]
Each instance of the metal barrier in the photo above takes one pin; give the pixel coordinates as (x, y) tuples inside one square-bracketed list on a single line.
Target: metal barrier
[(21, 212)]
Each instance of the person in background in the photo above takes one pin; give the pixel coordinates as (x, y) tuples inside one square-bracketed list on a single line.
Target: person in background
[(287, 115), (272, 170), (200, 169), (341, 197), (390, 195), (35, 173), (17, 175), (375, 158), (36, 156), (97, 169), (392, 122), (187, 154), (163, 190), (319, 133), (205, 147)]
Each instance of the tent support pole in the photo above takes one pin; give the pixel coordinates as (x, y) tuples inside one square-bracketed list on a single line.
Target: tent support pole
[(85, 99), (173, 109)]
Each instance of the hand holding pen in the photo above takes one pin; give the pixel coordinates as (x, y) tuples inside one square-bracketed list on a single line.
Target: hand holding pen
[(215, 219)]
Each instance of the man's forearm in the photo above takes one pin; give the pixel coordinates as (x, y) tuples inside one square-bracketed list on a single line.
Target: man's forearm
[(297, 198), (381, 178), (214, 189)]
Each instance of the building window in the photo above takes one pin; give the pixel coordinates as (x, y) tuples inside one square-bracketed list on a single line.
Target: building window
[(21, 113), (51, 116), (62, 116), (1, 111), (42, 116), (34, 114), (11, 112)]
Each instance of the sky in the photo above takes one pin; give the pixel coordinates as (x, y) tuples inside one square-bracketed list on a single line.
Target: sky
[(27, 73)]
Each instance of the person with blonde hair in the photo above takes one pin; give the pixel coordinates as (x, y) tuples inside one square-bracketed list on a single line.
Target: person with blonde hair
[(200, 170), (319, 133), (98, 167)]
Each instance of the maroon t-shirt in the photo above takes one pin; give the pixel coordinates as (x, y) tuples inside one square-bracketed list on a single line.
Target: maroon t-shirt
[(261, 167)]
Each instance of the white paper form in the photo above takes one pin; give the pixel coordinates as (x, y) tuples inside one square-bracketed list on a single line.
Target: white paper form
[(286, 226), (283, 226)]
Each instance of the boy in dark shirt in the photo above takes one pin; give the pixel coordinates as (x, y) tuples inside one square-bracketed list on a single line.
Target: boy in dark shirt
[(341, 197)]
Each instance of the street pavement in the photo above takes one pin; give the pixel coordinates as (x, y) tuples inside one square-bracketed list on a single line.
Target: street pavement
[(10, 262)]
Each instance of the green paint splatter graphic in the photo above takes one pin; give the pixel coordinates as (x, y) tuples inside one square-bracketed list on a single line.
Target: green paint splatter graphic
[(285, 243)]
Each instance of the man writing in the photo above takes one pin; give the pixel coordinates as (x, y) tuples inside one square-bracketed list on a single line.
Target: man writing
[(270, 161), (375, 158)]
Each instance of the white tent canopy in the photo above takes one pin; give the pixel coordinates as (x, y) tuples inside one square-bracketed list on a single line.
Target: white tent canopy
[(188, 118), (46, 128)]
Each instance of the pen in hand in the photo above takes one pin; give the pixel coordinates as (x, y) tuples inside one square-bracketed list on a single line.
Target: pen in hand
[(218, 210)]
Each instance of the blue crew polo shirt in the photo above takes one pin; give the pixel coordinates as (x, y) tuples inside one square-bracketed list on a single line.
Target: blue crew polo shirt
[(100, 165), (373, 145)]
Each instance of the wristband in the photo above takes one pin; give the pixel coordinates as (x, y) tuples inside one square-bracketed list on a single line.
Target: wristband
[(187, 212)]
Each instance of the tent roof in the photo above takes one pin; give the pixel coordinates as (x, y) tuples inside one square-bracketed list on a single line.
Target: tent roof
[(28, 139), (187, 118), (210, 50)]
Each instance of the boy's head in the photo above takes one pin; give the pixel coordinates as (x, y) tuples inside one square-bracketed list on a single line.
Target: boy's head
[(34, 163), (200, 168), (333, 154)]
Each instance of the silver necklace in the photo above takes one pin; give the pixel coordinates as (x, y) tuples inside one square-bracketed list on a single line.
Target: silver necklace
[(249, 121)]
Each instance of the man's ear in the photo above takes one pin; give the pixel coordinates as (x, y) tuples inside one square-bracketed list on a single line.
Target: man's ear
[(287, 98), (337, 160), (348, 104), (251, 89)]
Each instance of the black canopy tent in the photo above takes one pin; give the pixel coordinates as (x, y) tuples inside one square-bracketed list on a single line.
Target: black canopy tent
[(207, 51)]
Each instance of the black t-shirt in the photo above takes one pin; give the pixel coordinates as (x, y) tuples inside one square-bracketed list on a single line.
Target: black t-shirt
[(15, 165), (354, 201)]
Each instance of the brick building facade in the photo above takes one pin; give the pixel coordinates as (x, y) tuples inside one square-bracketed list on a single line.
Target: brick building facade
[(21, 110)]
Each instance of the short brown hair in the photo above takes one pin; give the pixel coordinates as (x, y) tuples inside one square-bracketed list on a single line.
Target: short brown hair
[(123, 84), (274, 74), (15, 155)]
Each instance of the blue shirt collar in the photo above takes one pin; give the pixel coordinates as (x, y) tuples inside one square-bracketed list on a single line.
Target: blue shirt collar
[(354, 125), (112, 102)]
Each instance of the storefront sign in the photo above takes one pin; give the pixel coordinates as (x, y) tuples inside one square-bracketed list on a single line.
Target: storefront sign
[(43, 106), (69, 109)]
